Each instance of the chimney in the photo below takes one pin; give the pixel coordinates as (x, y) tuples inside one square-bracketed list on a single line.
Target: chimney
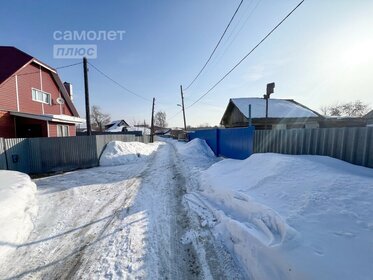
[(69, 88)]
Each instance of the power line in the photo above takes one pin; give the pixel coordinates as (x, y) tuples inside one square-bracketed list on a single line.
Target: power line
[(242, 59), (118, 84), (229, 43), (221, 38), (173, 116), (70, 65), (38, 72)]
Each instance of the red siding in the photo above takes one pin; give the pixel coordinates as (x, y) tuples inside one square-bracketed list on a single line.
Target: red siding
[(50, 86), (43, 82), (72, 130), (30, 77), (8, 97), (53, 129), (6, 125)]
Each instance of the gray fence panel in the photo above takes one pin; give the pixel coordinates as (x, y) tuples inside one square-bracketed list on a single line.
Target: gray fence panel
[(3, 164), (17, 154), (354, 145), (64, 153), (57, 154)]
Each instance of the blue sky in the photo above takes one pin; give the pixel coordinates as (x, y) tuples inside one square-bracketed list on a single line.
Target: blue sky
[(321, 55)]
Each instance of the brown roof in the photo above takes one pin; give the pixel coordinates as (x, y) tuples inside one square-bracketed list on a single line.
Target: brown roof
[(13, 59)]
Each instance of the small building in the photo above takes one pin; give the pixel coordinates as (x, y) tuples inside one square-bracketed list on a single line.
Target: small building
[(117, 126), (33, 100), (282, 114), (369, 119), (329, 122)]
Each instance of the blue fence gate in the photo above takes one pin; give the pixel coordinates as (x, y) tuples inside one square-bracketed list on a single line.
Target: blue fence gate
[(234, 143)]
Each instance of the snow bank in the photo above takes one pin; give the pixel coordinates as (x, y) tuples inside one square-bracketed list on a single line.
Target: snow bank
[(195, 150), (291, 217), (117, 152), (17, 208)]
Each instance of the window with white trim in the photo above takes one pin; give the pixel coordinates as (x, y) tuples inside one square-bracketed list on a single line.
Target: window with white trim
[(41, 96), (62, 130)]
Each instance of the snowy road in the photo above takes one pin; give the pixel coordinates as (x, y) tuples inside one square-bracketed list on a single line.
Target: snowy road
[(118, 222)]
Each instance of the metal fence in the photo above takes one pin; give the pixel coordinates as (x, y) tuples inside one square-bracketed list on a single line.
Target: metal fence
[(351, 144), (45, 155), (229, 142)]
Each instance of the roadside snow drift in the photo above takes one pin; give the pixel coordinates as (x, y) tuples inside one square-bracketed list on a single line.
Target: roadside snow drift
[(195, 148), (17, 208), (118, 152), (291, 217)]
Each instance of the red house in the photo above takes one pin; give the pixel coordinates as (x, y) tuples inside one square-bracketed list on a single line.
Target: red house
[(33, 100)]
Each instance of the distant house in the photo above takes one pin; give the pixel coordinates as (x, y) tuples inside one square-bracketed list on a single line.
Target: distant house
[(369, 118), (329, 122), (117, 126), (33, 100), (282, 114)]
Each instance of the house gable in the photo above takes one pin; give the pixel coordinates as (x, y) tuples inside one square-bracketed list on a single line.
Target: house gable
[(15, 90), (283, 113)]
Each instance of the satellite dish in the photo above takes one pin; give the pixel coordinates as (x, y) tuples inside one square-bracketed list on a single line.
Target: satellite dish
[(60, 101)]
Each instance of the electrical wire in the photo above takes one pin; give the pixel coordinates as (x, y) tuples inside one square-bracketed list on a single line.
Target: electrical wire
[(250, 52), (221, 38), (38, 72), (118, 84), (70, 65), (173, 116)]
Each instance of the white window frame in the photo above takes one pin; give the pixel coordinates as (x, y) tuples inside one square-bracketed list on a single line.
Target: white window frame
[(63, 129), (43, 93)]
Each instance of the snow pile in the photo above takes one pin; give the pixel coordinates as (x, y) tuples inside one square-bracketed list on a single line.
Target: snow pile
[(17, 208), (118, 152), (197, 148), (291, 217)]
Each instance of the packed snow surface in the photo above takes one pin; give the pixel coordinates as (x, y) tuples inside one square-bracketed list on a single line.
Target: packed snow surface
[(118, 152), (292, 217), (118, 222), (17, 208)]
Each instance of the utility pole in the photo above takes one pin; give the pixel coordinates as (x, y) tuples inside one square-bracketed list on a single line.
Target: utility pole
[(152, 124), (86, 91), (182, 104)]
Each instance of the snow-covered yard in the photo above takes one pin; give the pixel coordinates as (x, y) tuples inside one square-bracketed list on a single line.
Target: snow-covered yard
[(173, 210)]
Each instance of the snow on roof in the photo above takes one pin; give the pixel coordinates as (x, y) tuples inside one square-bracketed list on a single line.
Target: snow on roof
[(277, 108), (116, 126)]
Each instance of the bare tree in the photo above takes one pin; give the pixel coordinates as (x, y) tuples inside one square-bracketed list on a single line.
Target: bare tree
[(356, 108), (98, 118), (324, 110), (160, 119)]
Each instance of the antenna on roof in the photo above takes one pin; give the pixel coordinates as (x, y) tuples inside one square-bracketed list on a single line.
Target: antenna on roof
[(270, 90)]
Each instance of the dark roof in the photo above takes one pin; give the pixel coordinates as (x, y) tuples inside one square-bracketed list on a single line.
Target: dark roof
[(65, 94), (13, 59), (369, 115)]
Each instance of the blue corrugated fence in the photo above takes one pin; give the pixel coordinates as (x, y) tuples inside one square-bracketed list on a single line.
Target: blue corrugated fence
[(234, 143)]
